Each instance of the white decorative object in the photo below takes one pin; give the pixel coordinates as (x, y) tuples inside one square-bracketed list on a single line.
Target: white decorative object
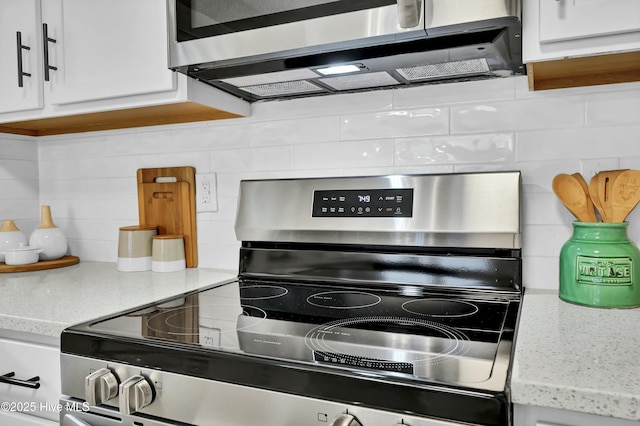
[(22, 255), (10, 237), (48, 237)]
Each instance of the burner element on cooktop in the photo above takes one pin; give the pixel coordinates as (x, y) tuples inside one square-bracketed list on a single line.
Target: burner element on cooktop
[(440, 308), (343, 299)]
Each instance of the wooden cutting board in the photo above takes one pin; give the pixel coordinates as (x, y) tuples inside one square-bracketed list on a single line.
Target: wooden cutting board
[(171, 206)]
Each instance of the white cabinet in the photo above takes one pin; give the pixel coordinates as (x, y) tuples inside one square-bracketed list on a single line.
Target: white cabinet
[(574, 19), (106, 49), (101, 57), (20, 76), (94, 50), (555, 29), (528, 415), (27, 405)]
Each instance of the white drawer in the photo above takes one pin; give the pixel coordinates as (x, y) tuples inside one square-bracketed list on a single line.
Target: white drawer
[(28, 360)]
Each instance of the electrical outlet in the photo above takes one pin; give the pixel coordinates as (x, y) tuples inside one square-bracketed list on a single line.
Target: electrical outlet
[(592, 166), (206, 196)]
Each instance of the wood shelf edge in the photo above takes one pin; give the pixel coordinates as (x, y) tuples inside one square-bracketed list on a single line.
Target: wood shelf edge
[(180, 112), (584, 71)]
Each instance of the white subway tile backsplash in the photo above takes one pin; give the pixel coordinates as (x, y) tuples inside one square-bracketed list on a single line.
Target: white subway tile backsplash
[(618, 108), (18, 148), (17, 169), (538, 175), (541, 272), (230, 160), (288, 132), (578, 143), (544, 209), (545, 240), (274, 158), (90, 179), (488, 148), (525, 114), (392, 124), (212, 136), (348, 155)]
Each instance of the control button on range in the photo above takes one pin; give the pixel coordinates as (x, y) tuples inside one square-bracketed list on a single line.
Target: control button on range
[(367, 209)]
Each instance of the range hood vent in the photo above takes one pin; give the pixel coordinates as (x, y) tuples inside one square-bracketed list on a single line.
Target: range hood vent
[(487, 48)]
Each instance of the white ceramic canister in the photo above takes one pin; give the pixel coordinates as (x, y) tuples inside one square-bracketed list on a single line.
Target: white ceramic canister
[(48, 237), (134, 247), (11, 237)]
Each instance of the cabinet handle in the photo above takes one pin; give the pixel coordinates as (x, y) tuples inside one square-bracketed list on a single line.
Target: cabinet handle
[(20, 47), (33, 382), (46, 40)]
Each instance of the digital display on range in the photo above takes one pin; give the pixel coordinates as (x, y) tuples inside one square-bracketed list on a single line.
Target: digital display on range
[(363, 203)]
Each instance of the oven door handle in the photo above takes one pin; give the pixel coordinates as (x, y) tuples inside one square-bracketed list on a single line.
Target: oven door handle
[(346, 420)]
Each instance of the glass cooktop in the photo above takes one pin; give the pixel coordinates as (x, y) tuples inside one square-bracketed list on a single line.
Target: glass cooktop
[(403, 331)]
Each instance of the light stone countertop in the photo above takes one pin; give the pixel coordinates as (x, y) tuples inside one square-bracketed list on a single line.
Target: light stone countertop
[(567, 357), (46, 302), (577, 358)]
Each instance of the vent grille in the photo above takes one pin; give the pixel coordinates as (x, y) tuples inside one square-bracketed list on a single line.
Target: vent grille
[(448, 69), (360, 81), (283, 88)]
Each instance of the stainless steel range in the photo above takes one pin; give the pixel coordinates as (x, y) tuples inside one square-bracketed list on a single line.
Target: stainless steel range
[(373, 301)]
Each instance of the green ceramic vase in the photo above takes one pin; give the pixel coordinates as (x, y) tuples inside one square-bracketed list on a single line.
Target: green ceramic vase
[(600, 266)]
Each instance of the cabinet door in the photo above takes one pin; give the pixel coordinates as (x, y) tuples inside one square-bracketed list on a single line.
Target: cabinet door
[(28, 360), (23, 17), (106, 49), (574, 19)]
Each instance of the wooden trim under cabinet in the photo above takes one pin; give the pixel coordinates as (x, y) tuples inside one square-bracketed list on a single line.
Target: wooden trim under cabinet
[(184, 112), (584, 71)]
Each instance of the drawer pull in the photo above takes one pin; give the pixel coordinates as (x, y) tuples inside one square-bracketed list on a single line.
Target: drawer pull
[(30, 383)]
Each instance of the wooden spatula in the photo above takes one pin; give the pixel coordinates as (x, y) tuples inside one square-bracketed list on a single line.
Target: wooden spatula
[(625, 194), (605, 185), (585, 188), (594, 192), (571, 194)]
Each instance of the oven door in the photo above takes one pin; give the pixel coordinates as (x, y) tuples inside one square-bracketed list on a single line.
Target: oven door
[(221, 31)]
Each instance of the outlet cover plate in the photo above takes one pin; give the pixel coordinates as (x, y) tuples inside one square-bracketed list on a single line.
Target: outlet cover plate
[(206, 193)]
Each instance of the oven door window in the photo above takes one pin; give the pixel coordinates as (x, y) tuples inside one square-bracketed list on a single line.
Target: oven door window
[(205, 18)]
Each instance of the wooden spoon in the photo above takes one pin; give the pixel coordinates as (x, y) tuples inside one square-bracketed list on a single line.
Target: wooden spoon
[(605, 184), (625, 194), (585, 189), (571, 194), (594, 192)]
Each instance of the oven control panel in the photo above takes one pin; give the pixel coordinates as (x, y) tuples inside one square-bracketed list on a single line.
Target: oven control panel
[(363, 203)]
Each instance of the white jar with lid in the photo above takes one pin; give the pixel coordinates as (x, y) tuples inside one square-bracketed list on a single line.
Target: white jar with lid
[(10, 237)]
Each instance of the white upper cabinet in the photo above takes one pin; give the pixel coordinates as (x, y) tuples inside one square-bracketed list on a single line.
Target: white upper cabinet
[(106, 49), (20, 73), (573, 19), (555, 29), (96, 65)]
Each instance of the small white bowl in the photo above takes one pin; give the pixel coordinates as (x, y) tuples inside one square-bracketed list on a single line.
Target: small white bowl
[(21, 255)]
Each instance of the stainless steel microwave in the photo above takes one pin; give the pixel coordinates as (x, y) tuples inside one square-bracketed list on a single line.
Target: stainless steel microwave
[(254, 44)]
